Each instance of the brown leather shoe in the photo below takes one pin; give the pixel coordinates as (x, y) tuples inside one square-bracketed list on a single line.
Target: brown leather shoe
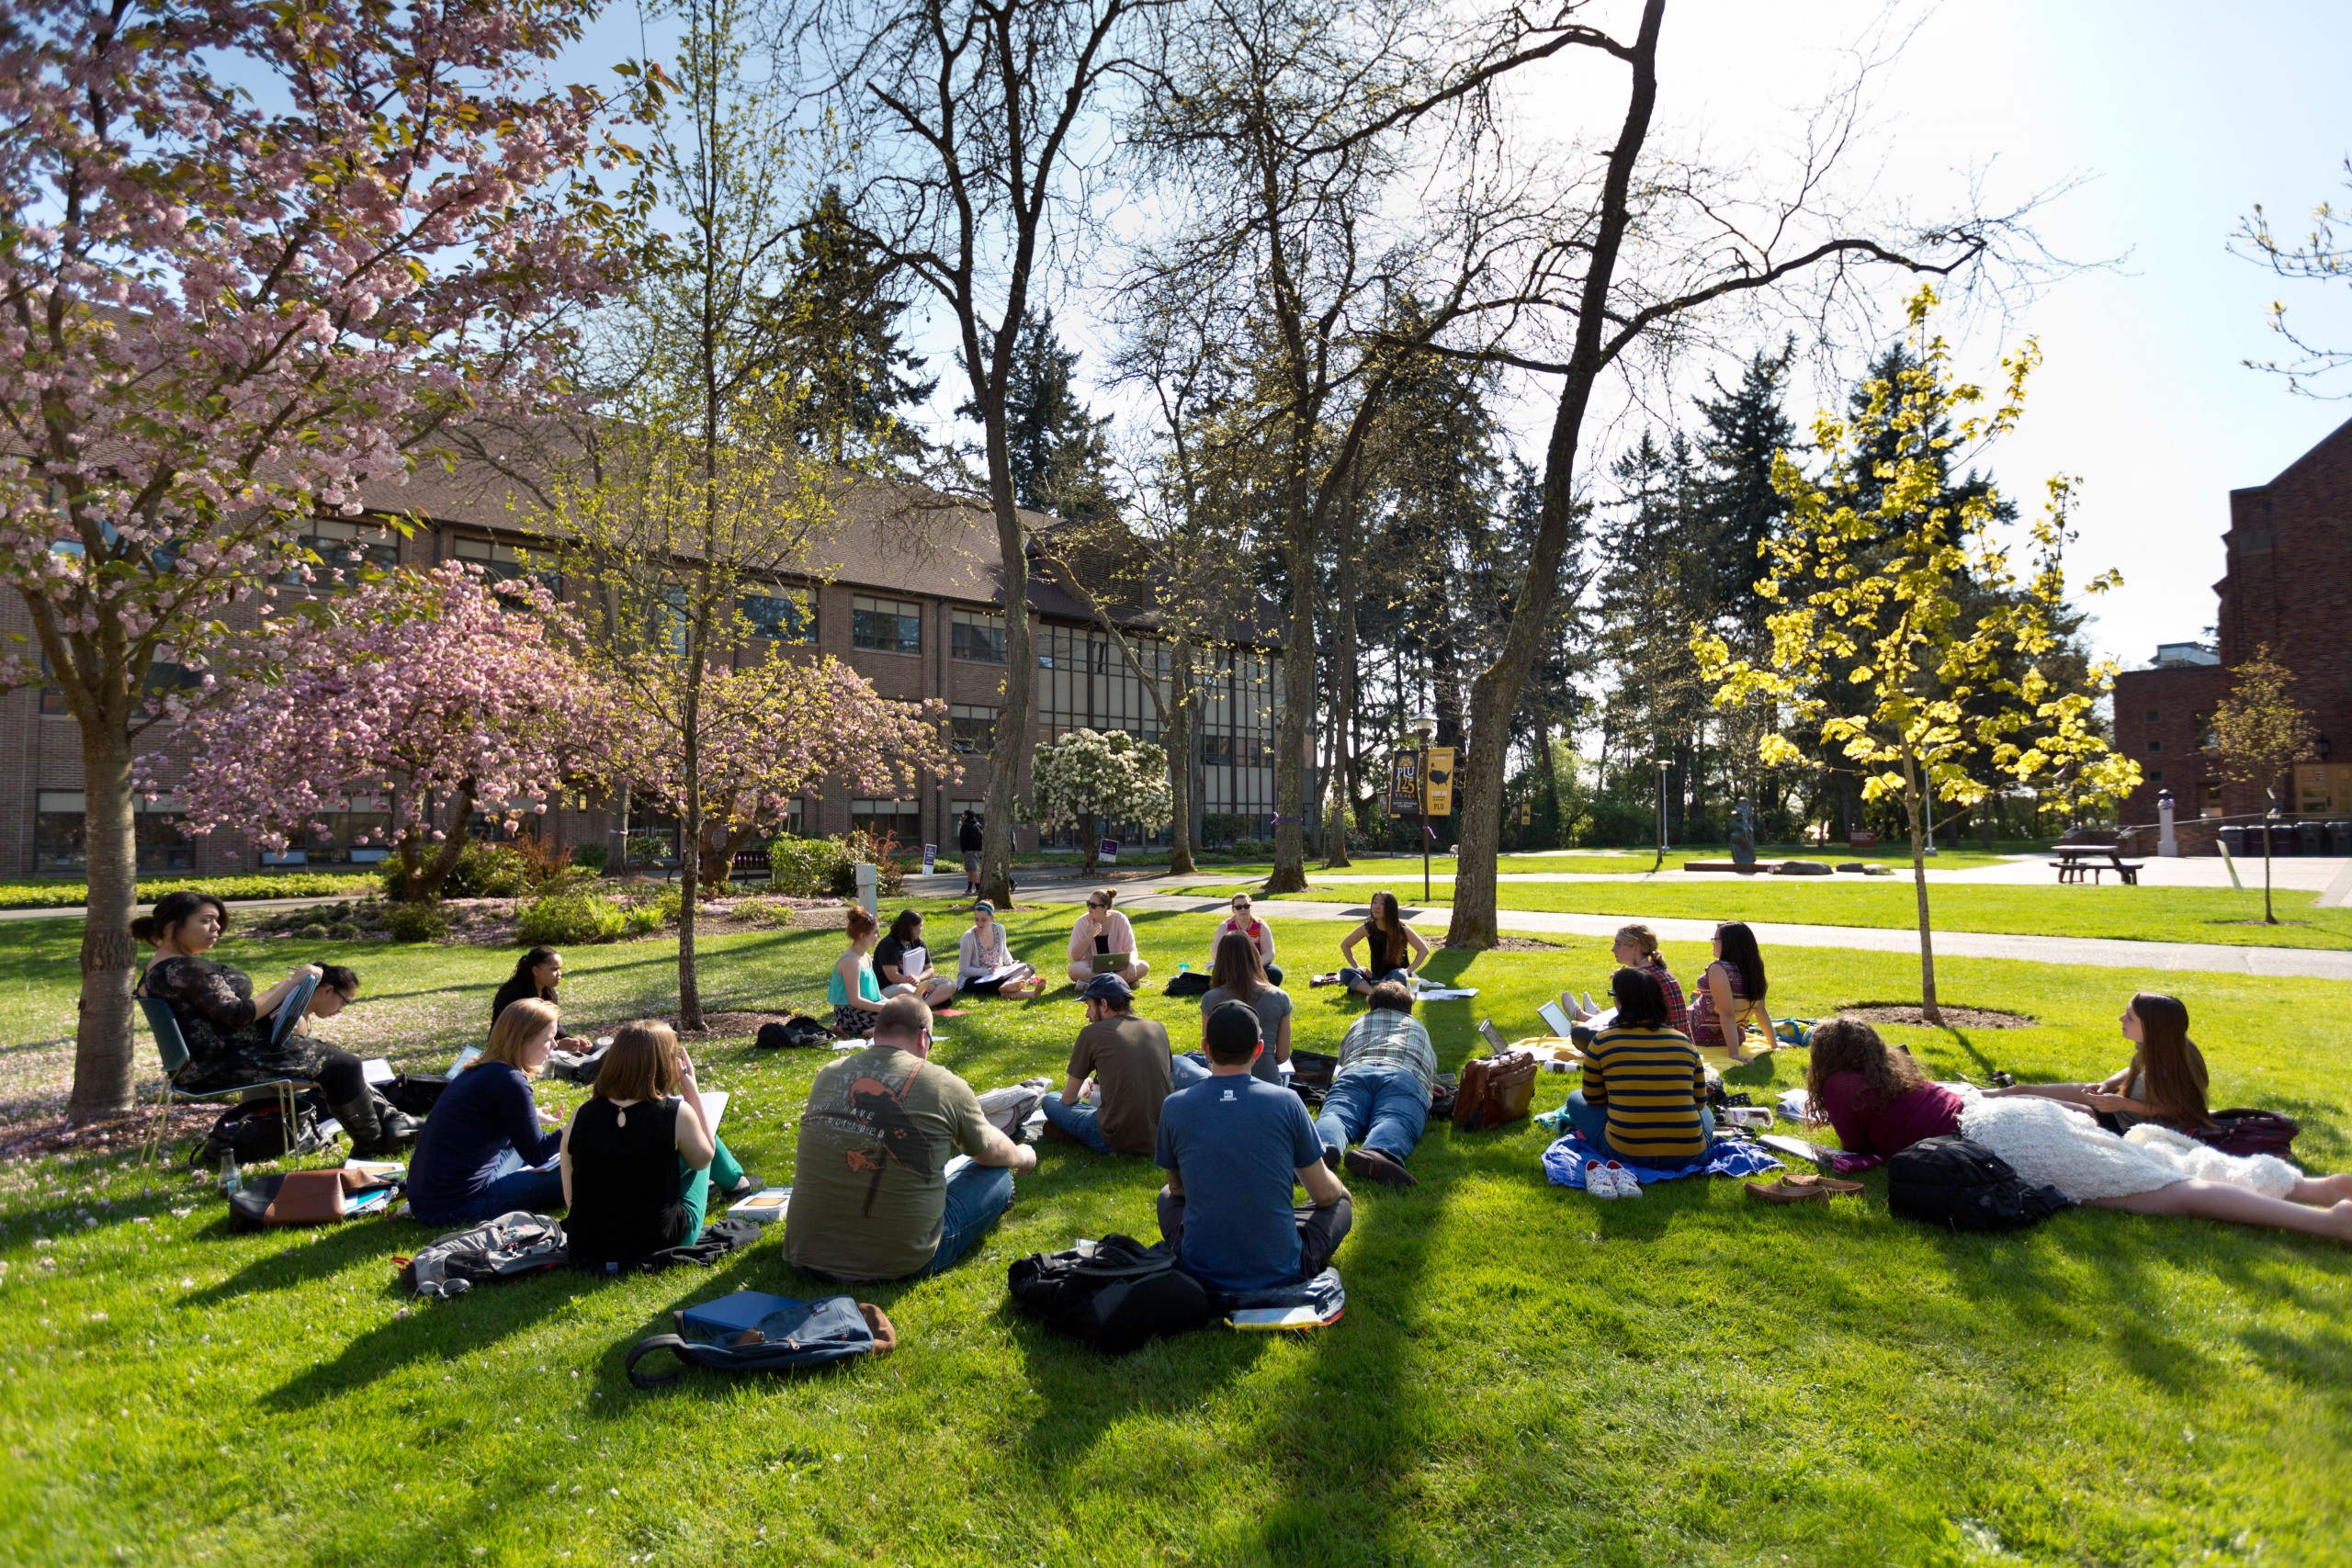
[(1785, 1191), (1374, 1166)]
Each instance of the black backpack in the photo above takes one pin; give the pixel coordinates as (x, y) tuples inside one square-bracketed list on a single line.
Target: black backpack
[(255, 1131), (1189, 983), (1952, 1182), (797, 1033), (1112, 1294)]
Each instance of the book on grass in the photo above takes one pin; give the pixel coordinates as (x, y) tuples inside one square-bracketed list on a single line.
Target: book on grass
[(1263, 1318), (766, 1206), (1001, 972)]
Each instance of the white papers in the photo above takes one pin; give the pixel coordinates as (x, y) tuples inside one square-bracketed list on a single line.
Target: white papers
[(375, 1069), (1448, 993), (1001, 972), (1263, 1318), (714, 1106), (469, 1054)]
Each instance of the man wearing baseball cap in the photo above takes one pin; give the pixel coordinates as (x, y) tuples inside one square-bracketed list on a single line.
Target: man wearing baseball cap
[(1233, 1144), (1127, 1058)]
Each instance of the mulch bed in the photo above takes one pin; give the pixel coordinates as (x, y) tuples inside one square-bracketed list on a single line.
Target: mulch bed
[(34, 1129), (1524, 944), (1954, 1017)]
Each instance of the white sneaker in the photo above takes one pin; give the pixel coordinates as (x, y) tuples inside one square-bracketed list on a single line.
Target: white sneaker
[(1628, 1185), (1596, 1180)]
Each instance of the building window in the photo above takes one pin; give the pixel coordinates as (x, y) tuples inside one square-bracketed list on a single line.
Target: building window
[(2155, 745), (885, 626), (901, 819), (1085, 683), (972, 728), (60, 840), (2153, 717), (346, 552), (977, 638), (2156, 775), (503, 563), (780, 618)]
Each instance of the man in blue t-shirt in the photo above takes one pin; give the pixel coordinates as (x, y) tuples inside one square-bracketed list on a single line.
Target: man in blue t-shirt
[(1232, 1143)]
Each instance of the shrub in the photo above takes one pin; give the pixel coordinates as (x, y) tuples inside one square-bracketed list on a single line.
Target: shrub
[(483, 871), (590, 857), (650, 915), (343, 930), (1248, 849), (651, 849), (313, 931), (888, 856), (416, 922), (562, 920), (808, 868)]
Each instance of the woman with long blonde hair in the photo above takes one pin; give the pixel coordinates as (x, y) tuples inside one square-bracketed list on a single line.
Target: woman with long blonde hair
[(485, 1152)]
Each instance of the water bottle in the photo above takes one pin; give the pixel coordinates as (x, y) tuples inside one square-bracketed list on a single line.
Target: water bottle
[(232, 1180), (1183, 968)]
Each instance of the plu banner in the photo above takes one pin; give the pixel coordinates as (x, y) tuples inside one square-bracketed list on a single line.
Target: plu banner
[(1441, 781), (1404, 785)]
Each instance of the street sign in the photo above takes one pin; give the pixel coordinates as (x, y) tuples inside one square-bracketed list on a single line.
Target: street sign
[(1441, 781), (1107, 852)]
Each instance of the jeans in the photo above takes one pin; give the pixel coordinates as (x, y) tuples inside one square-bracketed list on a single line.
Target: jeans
[(1078, 1119), (514, 1186), (1592, 1122), (1350, 975), (1382, 1107), (1186, 1070), (1320, 1231), (975, 1196), (1275, 973)]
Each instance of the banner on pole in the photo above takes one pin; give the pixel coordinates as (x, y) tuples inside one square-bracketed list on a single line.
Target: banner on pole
[(1440, 783), (1404, 785)]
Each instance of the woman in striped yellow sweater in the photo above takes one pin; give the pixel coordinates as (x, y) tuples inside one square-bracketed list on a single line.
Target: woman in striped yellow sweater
[(1644, 1095)]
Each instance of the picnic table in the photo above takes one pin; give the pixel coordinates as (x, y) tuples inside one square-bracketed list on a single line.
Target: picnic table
[(2077, 860)]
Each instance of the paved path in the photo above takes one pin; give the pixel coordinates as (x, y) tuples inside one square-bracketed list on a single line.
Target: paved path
[(2272, 962)]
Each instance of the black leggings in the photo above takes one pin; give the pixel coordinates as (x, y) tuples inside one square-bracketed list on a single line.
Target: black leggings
[(340, 1078)]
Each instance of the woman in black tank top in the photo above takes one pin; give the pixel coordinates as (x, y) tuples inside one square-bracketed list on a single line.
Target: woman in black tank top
[(637, 1161)]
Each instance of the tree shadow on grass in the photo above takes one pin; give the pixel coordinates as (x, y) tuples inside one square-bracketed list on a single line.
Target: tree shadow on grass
[(308, 1255)]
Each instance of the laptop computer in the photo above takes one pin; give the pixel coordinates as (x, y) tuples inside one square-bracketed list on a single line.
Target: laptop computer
[(1112, 962), (1557, 1021)]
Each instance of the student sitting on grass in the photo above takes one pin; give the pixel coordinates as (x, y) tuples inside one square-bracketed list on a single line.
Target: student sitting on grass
[(640, 1161), (1393, 950), (1239, 976), (1643, 1099), (905, 963), (1380, 1096), (1249, 925), (1874, 1096), (871, 1196), (2165, 1081), (1731, 995), (1127, 1058), (856, 994), (480, 1153), (1232, 1145), (1101, 932), (536, 974), (983, 952), (232, 1033)]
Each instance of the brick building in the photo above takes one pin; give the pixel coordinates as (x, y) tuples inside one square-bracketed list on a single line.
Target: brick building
[(910, 596), (2288, 587)]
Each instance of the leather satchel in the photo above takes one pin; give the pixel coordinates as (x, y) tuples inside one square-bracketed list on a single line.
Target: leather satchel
[(1495, 1091)]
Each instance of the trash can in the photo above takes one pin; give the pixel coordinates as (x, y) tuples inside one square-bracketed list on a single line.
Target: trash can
[(2339, 838), (2233, 838), (2282, 840), (2310, 838)]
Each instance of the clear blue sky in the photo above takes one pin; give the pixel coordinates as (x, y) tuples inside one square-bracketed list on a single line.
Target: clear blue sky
[(2176, 117)]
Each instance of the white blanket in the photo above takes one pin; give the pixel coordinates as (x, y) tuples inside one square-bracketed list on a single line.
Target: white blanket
[(2049, 1143)]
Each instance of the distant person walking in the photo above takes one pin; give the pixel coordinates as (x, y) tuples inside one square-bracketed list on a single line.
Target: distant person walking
[(968, 838)]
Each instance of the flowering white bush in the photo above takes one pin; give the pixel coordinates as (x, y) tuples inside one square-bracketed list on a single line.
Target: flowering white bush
[(1088, 775)]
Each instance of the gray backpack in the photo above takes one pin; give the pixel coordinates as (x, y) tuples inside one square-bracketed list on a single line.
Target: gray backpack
[(504, 1248)]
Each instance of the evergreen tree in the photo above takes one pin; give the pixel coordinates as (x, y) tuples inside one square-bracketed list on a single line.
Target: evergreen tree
[(1655, 588), (1746, 429), (1059, 451), (838, 319)]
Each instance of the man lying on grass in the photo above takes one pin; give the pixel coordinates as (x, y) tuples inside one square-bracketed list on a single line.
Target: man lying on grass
[(1380, 1096), (1232, 1145)]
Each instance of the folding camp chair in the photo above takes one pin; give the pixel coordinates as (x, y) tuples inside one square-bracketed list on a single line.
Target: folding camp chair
[(171, 1046)]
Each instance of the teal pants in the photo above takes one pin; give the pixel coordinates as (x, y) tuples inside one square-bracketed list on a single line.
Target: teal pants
[(694, 1186)]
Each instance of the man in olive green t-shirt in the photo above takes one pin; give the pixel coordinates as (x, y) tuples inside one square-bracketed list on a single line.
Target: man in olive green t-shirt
[(1128, 1060), (871, 1196)]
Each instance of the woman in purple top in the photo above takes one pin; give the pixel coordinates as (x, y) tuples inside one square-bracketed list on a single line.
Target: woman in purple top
[(1877, 1099)]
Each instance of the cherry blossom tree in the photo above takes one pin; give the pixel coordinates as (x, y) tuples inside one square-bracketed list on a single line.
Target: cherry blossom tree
[(772, 731), (437, 689), (252, 259)]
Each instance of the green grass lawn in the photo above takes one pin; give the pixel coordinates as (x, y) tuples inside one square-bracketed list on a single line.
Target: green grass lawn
[(1626, 862), (2129, 914), (1524, 1375)]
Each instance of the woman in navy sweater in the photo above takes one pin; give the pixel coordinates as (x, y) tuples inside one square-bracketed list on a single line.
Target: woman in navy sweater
[(483, 1146)]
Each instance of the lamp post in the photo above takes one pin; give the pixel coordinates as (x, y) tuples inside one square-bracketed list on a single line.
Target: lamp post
[(1663, 765), (1424, 726)]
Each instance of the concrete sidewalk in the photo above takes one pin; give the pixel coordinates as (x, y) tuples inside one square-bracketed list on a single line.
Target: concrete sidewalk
[(2282, 962)]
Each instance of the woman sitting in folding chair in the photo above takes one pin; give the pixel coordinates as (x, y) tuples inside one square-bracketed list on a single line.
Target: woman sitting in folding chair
[(232, 1035)]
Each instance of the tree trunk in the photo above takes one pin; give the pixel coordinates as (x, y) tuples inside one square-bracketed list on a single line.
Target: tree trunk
[(1015, 727), (2268, 918), (1179, 763), (1298, 703), (1343, 703), (1089, 843), (690, 857), (1497, 690), (104, 1049), (1917, 810), (424, 879)]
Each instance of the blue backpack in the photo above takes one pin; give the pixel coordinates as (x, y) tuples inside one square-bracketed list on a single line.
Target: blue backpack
[(753, 1332)]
